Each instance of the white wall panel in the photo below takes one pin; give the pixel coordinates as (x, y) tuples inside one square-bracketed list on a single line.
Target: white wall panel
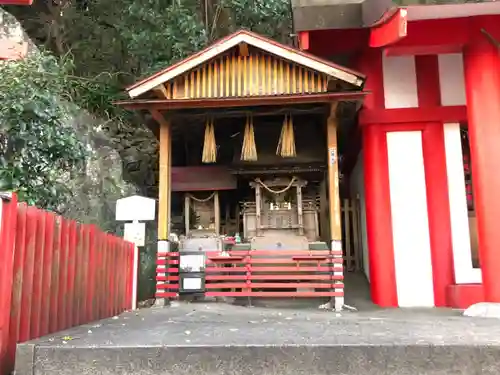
[(400, 82), (451, 79), (410, 225)]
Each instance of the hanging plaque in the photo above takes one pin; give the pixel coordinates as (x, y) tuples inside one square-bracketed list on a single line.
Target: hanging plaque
[(332, 151), (135, 233)]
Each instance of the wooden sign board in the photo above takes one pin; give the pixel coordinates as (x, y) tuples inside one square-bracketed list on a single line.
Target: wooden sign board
[(135, 208), (135, 233)]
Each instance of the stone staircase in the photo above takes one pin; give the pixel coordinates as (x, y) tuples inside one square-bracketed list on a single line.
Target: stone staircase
[(218, 339)]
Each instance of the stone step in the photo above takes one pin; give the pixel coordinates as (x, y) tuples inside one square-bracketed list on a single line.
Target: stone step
[(221, 339), (257, 360)]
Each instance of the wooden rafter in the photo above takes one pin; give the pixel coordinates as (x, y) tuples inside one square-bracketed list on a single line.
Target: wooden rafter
[(256, 74)]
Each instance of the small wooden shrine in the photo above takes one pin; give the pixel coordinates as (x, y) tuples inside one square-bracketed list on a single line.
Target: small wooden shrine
[(247, 134)]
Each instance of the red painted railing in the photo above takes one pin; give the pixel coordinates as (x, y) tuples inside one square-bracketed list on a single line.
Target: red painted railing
[(278, 273), (261, 273), (167, 275), (56, 274)]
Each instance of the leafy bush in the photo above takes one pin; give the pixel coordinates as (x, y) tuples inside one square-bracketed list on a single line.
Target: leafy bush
[(39, 150)]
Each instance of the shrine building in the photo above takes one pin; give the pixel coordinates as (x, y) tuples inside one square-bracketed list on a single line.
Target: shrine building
[(395, 108), (426, 167)]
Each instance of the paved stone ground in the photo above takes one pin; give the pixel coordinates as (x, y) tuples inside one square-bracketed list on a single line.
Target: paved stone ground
[(214, 324), (222, 339), (211, 338)]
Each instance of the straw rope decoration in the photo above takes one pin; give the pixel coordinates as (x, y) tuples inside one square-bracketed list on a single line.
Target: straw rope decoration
[(249, 149), (286, 143), (209, 146)]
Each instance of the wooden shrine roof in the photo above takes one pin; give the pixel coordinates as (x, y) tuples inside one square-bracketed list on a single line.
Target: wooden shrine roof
[(245, 65)]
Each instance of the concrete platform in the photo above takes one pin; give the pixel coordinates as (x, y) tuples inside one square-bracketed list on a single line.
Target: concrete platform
[(220, 339)]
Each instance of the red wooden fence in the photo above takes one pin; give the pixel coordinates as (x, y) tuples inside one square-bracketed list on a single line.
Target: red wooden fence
[(56, 274), (274, 273), (261, 273)]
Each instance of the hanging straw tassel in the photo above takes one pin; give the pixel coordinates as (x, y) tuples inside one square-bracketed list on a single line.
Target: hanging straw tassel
[(209, 145), (286, 143), (249, 150)]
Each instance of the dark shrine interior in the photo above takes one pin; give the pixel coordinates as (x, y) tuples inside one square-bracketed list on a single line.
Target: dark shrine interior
[(310, 163)]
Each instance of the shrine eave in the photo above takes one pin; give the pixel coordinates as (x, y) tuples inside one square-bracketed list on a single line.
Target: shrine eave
[(172, 104), (318, 15), (245, 37), (444, 11), (420, 29)]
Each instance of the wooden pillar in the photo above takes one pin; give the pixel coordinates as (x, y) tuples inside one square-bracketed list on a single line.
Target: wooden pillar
[(334, 204), (164, 183), (333, 180), (169, 183), (164, 192)]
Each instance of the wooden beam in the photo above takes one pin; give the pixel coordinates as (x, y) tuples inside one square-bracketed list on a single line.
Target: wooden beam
[(225, 113), (159, 104), (243, 48), (444, 115), (333, 179), (164, 183)]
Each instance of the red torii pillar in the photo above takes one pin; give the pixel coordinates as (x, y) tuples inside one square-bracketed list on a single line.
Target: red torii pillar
[(377, 197), (482, 80)]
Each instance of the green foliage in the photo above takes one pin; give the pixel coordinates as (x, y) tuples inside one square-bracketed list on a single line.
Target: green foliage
[(157, 34), (111, 45), (38, 148), (137, 37), (267, 17)]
